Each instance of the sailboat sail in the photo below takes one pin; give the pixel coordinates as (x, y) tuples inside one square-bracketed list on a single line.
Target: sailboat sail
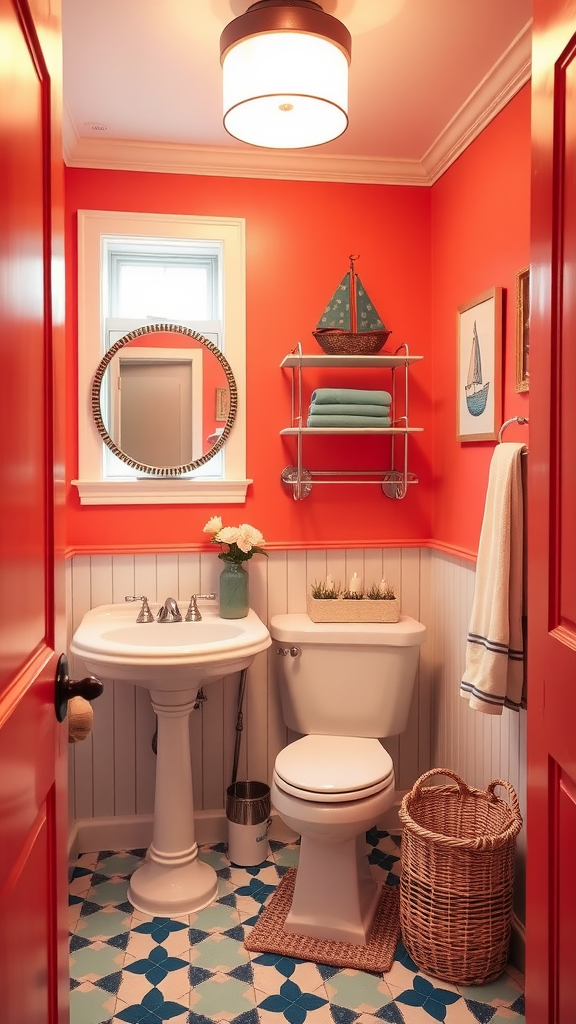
[(475, 389), (339, 313), (350, 322)]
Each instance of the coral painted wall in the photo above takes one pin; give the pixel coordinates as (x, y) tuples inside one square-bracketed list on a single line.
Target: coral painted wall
[(299, 236), (480, 238), (423, 253)]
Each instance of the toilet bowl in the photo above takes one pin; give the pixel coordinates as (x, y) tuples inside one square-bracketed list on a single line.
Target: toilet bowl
[(336, 896), (343, 685)]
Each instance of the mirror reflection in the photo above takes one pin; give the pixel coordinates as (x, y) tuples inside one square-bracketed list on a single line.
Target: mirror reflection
[(164, 399)]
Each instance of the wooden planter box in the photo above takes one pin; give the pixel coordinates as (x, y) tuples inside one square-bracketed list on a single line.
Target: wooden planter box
[(339, 610)]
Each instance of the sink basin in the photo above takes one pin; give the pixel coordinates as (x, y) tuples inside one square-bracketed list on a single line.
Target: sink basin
[(167, 655), (150, 635), (171, 659)]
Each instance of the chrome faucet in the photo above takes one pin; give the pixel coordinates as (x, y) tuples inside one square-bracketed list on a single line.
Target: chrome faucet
[(170, 611), (144, 615), (193, 613)]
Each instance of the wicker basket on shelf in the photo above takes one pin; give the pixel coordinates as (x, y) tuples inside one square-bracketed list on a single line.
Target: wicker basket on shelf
[(366, 610), (457, 876), (362, 343)]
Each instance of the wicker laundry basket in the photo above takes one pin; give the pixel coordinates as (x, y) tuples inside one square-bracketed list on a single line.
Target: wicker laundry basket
[(457, 874)]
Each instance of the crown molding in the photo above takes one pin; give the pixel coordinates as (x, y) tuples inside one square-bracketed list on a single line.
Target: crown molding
[(501, 83), (172, 158), (70, 137), (496, 89)]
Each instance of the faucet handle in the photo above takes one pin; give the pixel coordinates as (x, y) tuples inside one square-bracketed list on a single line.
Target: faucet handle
[(193, 614), (144, 615)]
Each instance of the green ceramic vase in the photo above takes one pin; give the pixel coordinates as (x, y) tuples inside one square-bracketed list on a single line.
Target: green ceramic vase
[(233, 591)]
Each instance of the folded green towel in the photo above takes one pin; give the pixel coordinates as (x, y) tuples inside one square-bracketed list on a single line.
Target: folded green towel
[(349, 421), (350, 396), (349, 410)]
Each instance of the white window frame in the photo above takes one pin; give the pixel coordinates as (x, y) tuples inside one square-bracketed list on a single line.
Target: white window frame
[(92, 486)]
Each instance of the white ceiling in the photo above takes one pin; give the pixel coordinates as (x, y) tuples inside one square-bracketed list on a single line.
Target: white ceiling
[(142, 87)]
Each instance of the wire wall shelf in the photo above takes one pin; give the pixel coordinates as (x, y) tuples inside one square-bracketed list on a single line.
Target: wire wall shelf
[(394, 481)]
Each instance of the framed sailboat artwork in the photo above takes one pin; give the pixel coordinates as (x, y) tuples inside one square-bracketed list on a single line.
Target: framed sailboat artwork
[(479, 380)]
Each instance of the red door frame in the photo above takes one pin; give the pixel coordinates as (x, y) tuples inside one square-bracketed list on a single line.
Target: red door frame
[(34, 976), (551, 815)]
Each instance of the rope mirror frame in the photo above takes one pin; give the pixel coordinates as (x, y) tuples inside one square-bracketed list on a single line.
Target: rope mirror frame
[(96, 394)]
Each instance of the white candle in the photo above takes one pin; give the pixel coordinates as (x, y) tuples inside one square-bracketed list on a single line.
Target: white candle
[(383, 583), (355, 584), (329, 582)]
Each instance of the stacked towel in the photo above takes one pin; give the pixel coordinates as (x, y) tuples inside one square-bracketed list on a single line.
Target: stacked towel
[(349, 407), (349, 410), (315, 420), (350, 396)]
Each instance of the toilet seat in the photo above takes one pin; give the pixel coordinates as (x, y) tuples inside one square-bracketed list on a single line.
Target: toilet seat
[(333, 769)]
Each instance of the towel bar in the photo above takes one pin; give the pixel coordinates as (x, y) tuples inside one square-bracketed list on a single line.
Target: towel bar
[(513, 419)]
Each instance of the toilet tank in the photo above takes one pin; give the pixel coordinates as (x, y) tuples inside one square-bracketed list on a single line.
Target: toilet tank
[(346, 678)]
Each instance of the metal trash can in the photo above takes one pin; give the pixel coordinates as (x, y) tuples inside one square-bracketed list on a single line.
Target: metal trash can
[(248, 813)]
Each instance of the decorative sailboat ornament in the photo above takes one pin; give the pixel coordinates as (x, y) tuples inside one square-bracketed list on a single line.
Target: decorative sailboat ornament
[(350, 324), (475, 389)]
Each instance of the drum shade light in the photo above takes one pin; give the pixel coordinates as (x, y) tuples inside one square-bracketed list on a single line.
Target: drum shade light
[(285, 75)]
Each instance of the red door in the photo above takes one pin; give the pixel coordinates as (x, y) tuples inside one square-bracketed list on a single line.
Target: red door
[(551, 818), (33, 746)]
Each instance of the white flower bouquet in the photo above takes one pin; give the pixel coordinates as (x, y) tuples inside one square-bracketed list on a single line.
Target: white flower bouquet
[(239, 543)]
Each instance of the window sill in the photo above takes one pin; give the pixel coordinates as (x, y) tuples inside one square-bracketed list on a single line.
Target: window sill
[(161, 492)]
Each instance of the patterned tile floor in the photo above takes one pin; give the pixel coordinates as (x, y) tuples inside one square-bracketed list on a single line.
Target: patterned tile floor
[(126, 966)]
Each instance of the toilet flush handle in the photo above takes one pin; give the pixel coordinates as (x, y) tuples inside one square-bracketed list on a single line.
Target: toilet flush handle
[(285, 651)]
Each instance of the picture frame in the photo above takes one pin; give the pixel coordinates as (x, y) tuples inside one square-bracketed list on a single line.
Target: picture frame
[(523, 329), (222, 405), (479, 372)]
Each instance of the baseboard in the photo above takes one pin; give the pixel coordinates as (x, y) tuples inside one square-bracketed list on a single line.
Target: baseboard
[(134, 831), (518, 944), (390, 821), (73, 848)]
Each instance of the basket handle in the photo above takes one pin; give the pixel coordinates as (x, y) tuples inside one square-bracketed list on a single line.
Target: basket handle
[(512, 797), (462, 786)]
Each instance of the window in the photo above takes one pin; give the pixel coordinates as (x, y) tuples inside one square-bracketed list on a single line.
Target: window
[(163, 278), (136, 269)]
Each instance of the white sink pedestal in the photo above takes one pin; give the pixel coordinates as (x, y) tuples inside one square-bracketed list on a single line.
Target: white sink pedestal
[(173, 882), (172, 661)]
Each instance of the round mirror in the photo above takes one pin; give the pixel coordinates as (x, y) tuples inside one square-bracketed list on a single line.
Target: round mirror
[(164, 399)]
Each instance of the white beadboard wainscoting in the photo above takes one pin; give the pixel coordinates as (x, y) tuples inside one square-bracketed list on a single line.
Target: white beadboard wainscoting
[(112, 772), (478, 747)]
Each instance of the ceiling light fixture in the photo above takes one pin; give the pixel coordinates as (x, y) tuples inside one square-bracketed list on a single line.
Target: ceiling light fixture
[(285, 75)]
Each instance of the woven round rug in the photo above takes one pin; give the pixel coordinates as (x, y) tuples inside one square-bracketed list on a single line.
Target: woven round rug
[(268, 935)]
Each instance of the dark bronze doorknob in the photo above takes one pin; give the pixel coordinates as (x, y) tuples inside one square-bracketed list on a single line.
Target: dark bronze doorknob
[(66, 688)]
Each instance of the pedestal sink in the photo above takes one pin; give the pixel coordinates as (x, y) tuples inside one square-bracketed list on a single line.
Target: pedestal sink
[(171, 659)]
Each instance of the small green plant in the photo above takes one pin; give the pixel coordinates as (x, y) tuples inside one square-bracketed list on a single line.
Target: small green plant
[(352, 595), (377, 592), (325, 592)]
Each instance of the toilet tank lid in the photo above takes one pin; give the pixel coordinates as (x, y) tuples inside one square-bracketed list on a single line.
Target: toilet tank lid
[(299, 628)]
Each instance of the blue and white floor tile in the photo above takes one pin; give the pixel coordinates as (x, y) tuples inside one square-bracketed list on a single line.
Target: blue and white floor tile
[(128, 967)]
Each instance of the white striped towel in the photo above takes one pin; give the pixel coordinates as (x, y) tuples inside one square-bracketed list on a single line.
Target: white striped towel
[(494, 673)]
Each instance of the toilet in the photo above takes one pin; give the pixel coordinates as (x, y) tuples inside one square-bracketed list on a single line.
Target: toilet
[(342, 687)]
